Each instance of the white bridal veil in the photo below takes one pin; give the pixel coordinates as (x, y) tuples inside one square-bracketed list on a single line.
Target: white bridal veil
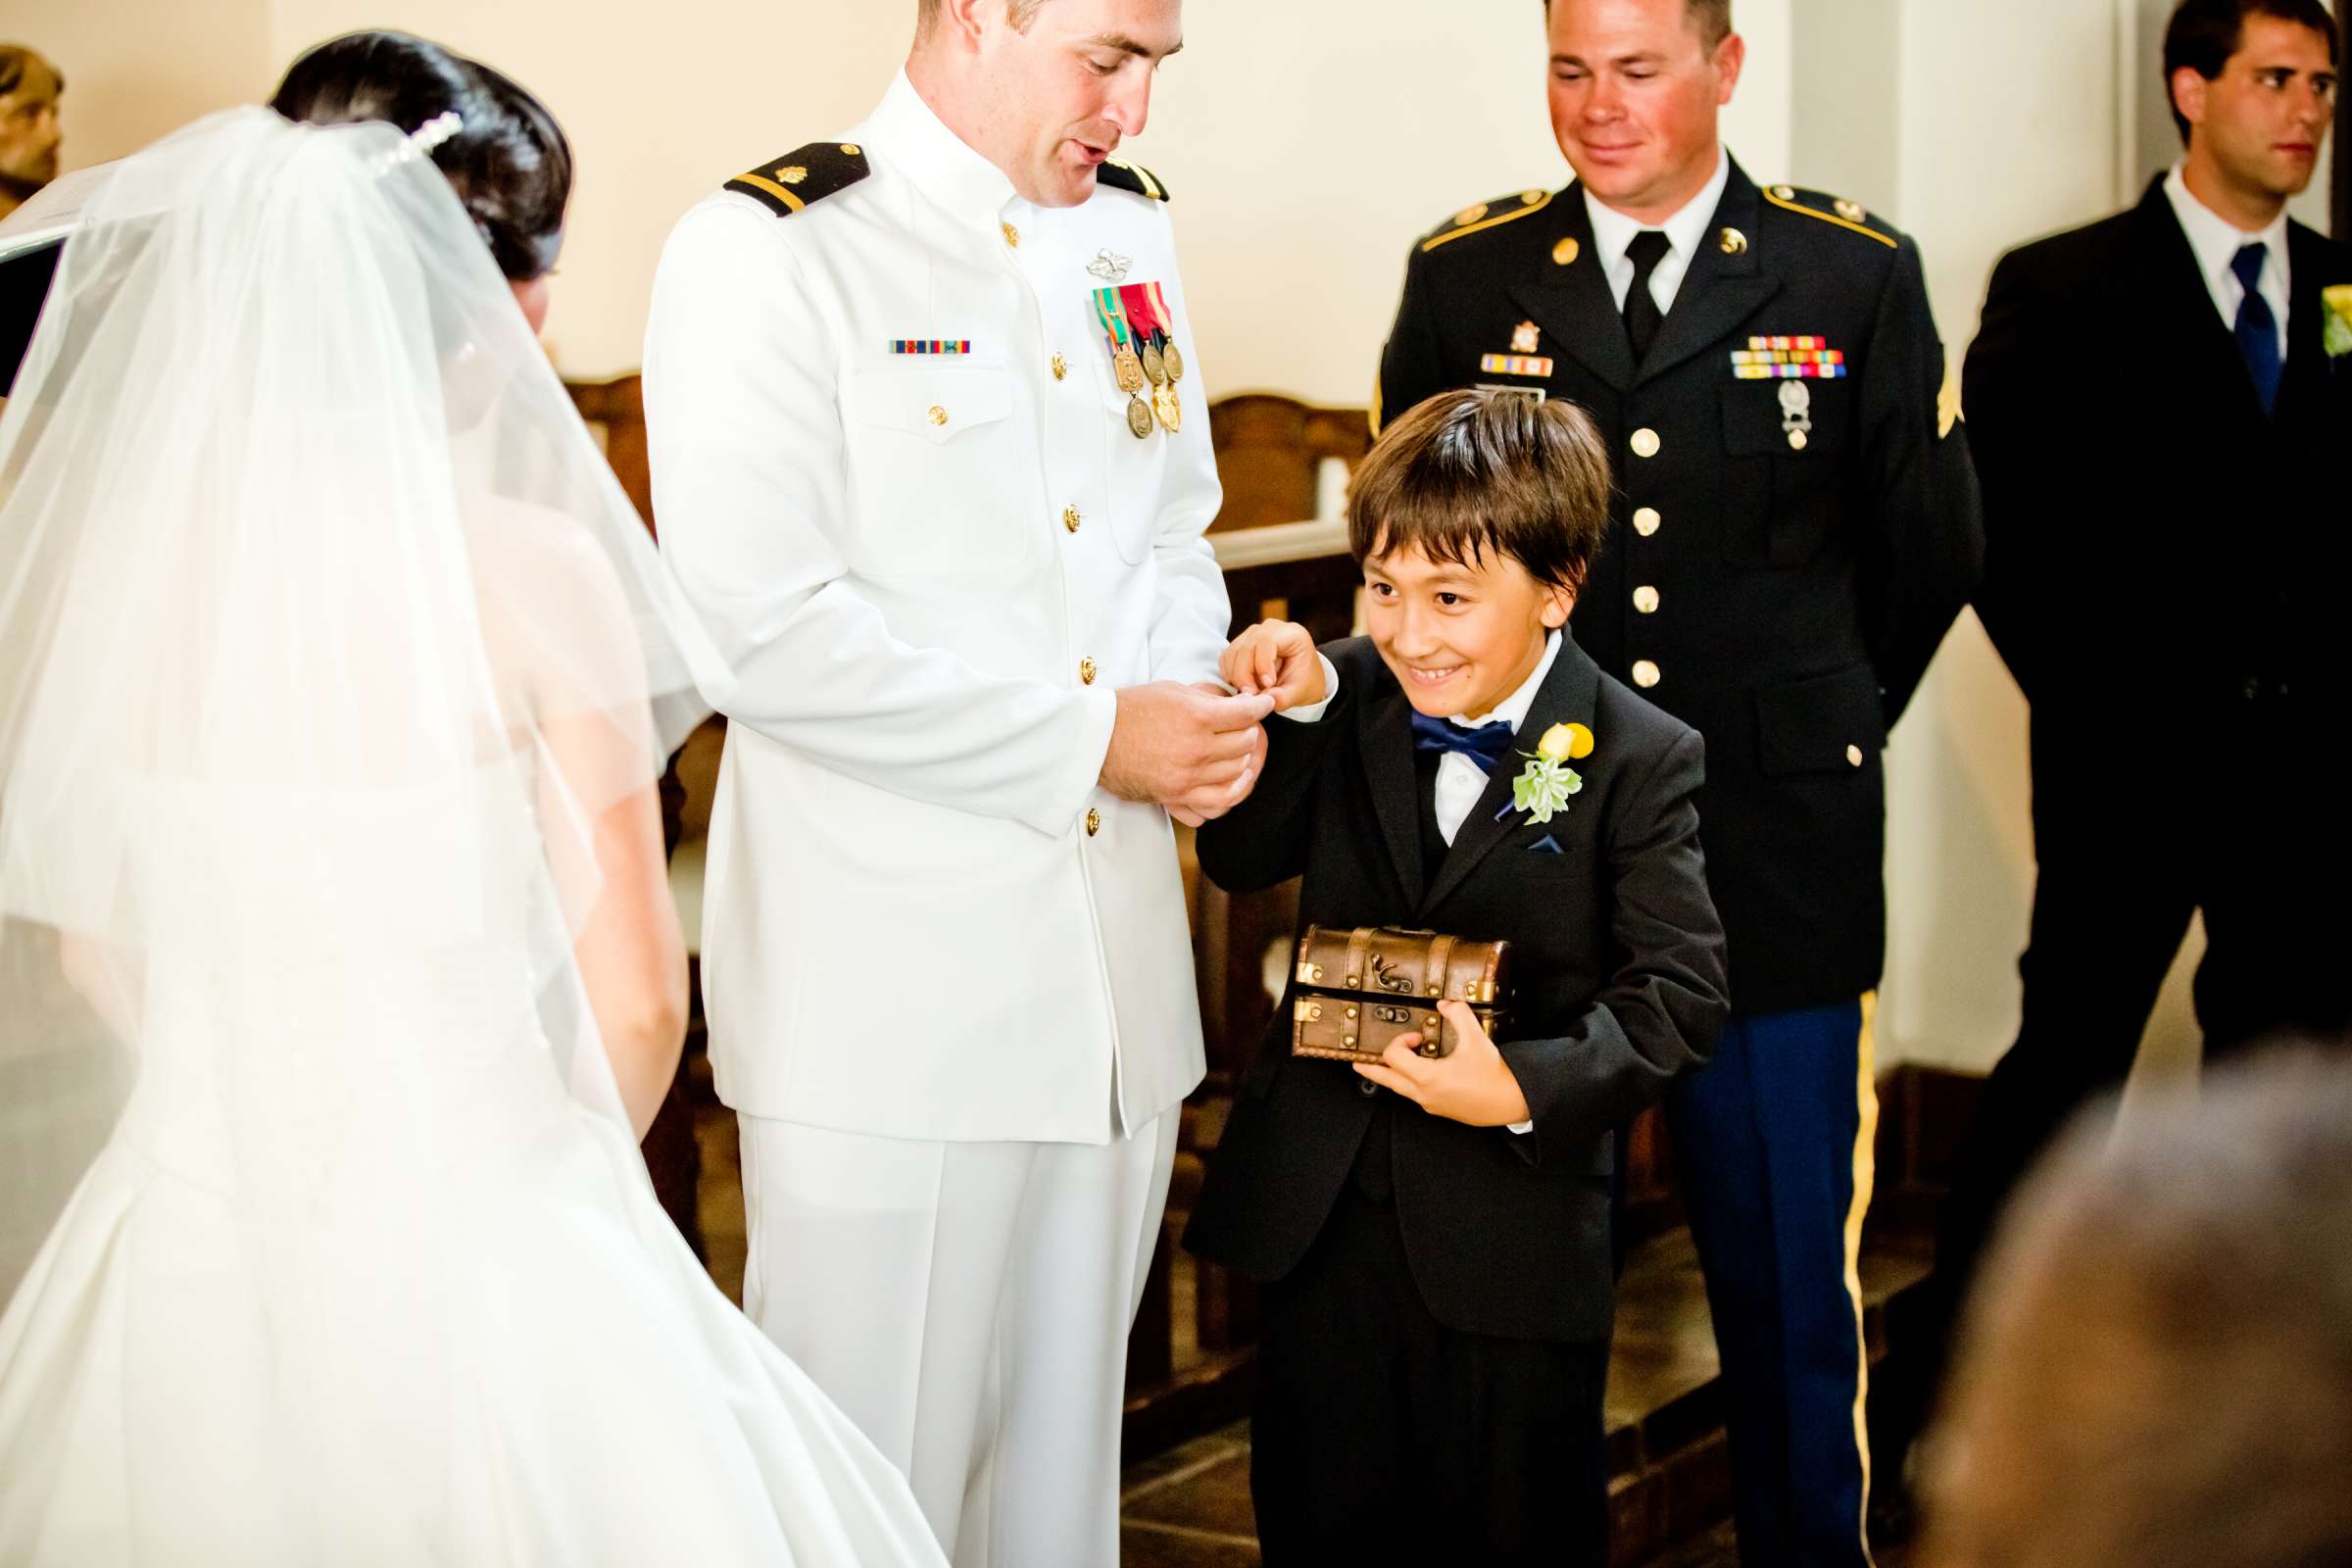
[(325, 638)]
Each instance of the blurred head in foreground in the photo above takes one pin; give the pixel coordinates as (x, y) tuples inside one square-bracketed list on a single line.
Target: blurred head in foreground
[(2157, 1369)]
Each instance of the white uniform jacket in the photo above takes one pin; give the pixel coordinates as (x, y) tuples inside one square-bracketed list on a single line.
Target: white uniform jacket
[(928, 575)]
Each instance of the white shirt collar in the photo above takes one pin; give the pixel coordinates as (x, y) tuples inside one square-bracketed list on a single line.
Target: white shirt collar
[(1613, 231), (2216, 242), (1512, 709), (940, 162)]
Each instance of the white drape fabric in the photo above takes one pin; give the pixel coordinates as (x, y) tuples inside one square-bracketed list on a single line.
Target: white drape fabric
[(325, 639)]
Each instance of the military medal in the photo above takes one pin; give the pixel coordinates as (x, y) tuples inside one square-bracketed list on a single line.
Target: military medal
[(1125, 363), (1165, 318), (1143, 314)]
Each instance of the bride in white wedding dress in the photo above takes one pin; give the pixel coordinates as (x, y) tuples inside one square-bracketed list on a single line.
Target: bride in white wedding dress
[(335, 675)]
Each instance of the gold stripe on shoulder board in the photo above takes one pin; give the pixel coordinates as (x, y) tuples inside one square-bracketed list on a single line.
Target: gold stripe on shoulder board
[(1500, 218), (1782, 197), (795, 203)]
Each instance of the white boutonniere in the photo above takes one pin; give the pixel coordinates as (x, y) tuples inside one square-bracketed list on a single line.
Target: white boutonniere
[(2337, 333), (1544, 786)]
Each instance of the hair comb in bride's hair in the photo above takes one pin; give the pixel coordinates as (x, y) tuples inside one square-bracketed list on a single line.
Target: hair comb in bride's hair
[(420, 142)]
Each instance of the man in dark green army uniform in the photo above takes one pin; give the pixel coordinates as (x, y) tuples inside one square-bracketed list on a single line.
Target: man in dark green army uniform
[(1796, 524)]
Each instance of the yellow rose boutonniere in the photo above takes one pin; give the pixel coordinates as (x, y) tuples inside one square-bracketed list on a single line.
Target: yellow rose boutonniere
[(2338, 329), (1542, 787)]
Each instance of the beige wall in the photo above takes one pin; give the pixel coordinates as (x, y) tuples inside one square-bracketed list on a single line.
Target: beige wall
[(1308, 141)]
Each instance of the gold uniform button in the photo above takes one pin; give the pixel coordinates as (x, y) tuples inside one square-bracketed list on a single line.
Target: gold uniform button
[(851, 148), (1094, 823), (1565, 253), (1853, 756), (939, 416), (1086, 671), (1070, 518), (1061, 367), (1645, 442), (1647, 520), (1012, 236), (1645, 600), (1646, 674)]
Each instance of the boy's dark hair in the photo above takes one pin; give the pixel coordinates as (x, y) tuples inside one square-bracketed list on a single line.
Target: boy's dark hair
[(1478, 472), (509, 163), (2203, 34)]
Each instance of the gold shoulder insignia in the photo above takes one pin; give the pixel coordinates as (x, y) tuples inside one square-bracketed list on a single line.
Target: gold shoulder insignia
[(1478, 216), (1120, 174), (1835, 211), (804, 175)]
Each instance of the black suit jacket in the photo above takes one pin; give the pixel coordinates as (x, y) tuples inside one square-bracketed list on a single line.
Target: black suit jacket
[(1799, 593), (1617, 972), (2166, 568)]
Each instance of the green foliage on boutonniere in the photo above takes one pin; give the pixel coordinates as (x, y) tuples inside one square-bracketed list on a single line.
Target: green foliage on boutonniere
[(1542, 787), (2337, 333)]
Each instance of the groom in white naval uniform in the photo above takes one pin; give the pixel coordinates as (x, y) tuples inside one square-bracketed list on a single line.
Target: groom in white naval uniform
[(917, 399)]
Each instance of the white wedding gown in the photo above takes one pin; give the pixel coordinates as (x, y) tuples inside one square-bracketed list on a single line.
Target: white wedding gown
[(328, 649), (401, 1298)]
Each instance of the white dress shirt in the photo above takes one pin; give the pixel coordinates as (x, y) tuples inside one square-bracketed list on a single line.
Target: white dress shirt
[(1613, 231), (2216, 241), (1460, 780)]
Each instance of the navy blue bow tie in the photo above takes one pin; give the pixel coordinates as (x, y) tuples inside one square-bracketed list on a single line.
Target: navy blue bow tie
[(1487, 745)]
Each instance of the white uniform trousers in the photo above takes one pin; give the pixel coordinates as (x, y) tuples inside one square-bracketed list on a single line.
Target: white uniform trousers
[(967, 1305)]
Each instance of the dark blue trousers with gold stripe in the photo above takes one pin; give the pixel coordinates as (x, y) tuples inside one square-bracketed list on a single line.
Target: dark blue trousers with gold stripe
[(1773, 1145)]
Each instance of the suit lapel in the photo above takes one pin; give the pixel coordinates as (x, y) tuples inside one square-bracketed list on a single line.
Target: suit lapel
[(1719, 291), (1569, 694), (1385, 736), (1572, 302), (2306, 375), (2215, 377)]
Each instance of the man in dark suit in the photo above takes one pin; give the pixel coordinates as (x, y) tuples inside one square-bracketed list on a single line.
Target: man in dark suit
[(1439, 1278), (2164, 438), (1795, 529)]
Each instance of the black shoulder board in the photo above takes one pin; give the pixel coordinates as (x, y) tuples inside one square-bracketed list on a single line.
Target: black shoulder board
[(1123, 176), (1835, 211), (804, 175), (1478, 216)]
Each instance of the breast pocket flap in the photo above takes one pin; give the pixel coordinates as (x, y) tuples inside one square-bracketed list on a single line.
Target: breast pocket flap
[(934, 402), (1831, 723)]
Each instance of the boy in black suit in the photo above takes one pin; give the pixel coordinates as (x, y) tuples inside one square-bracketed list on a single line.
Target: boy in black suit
[(1434, 1234)]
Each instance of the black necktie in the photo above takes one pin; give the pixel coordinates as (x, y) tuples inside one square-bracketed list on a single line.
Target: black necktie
[(1641, 313), (2257, 327)]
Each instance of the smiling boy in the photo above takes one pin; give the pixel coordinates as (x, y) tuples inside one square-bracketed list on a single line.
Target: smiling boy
[(1433, 1234)]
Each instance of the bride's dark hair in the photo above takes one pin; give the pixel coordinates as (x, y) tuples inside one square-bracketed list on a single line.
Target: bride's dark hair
[(509, 163)]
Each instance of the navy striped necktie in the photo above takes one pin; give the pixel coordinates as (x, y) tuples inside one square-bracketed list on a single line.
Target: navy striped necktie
[(2257, 328)]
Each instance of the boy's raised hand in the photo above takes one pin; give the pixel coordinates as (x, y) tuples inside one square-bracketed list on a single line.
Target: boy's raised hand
[(1474, 1085), (1277, 657)]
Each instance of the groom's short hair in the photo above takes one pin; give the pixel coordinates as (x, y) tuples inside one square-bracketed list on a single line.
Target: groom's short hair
[(1021, 11)]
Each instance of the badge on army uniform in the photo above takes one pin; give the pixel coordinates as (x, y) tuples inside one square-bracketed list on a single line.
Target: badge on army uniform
[(1526, 338), (1796, 413), (1808, 356)]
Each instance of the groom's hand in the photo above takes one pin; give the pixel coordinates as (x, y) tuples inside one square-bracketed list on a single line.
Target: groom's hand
[(1184, 748)]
